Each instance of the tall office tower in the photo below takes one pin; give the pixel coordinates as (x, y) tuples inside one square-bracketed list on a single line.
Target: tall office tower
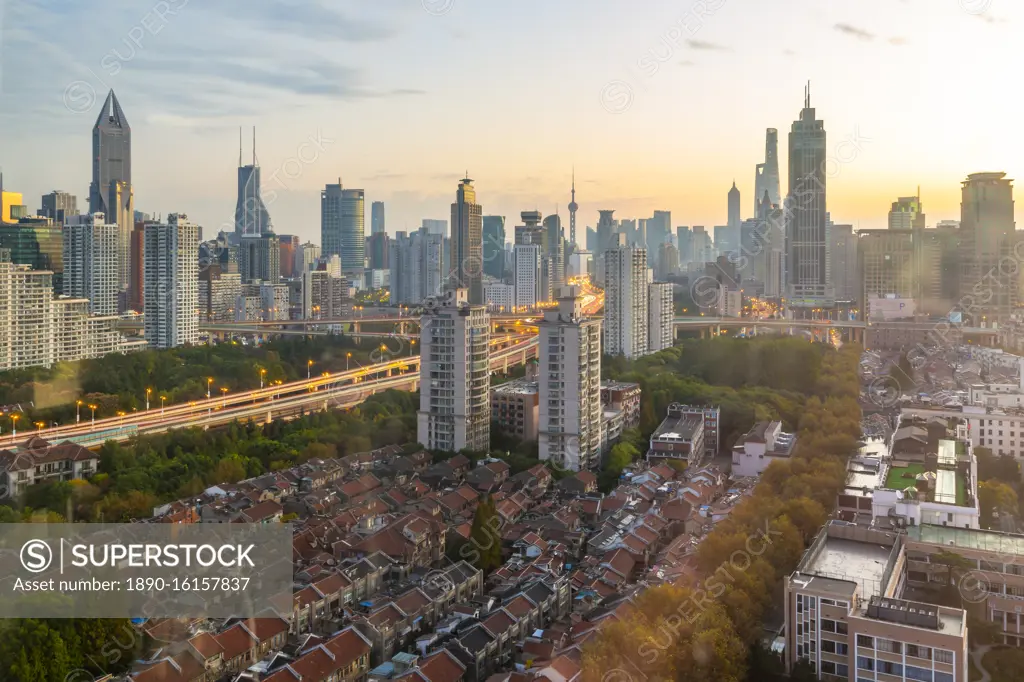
[(844, 263), (111, 190), (659, 230), (569, 385), (762, 242), (886, 260), (377, 218), (324, 297), (703, 247), (467, 246), (288, 244), (90, 261), (379, 245), (807, 253), (684, 242), (628, 228), (138, 259), (58, 206), (342, 222), (251, 216), (937, 261), (987, 236), (668, 261), (171, 287), (766, 176), (907, 213), (607, 227), (573, 207), (625, 300), (734, 219), (494, 245), (416, 266), (556, 267), (38, 242), (660, 316), (552, 232), (591, 240), (306, 257), (218, 293), (455, 405), (436, 227), (527, 276), (259, 258)]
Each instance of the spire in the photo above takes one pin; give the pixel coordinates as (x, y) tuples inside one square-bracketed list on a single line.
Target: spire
[(254, 145), (239, 146), (807, 96), (111, 115)]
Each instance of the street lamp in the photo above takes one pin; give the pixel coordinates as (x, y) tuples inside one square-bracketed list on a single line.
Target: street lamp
[(224, 394), (163, 398), (148, 391), (262, 372), (78, 411), (14, 426), (39, 426), (93, 408), (121, 421), (209, 384), (347, 357), (309, 368)]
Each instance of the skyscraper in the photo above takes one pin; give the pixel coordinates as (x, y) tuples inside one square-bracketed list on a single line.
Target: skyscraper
[(259, 258), (607, 226), (988, 235), (342, 227), (660, 316), (734, 219), (907, 213), (58, 206), (659, 230), (434, 226), (171, 287), (527, 276), (377, 218), (626, 302), (494, 245), (455, 406), (467, 258), (136, 286), (378, 245), (554, 257), (807, 250), (569, 390), (289, 243), (306, 257), (251, 216), (111, 190), (416, 264), (766, 176), (91, 261), (573, 207)]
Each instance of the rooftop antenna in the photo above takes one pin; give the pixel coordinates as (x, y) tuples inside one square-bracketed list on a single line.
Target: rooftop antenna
[(239, 146), (807, 96), (254, 145)]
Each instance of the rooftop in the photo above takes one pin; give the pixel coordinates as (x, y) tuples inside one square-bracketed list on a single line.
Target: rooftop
[(681, 427), (967, 538), (861, 562), (516, 387)]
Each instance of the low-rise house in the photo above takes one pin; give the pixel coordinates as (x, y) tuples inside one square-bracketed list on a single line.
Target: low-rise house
[(345, 657), (37, 461)]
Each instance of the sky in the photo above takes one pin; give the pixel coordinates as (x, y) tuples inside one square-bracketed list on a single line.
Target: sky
[(656, 109)]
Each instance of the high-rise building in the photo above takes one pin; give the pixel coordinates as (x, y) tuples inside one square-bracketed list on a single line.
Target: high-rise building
[(274, 299), (734, 220), (259, 258), (377, 218), (288, 244), (137, 285), (455, 407), (90, 262), (439, 227), (379, 246), (171, 287), (552, 232), (573, 207), (703, 247), (467, 257), (58, 206), (527, 276), (684, 242), (494, 245), (9, 203), (37, 242), (111, 190), (251, 216), (607, 227), (306, 257), (569, 390), (937, 261), (844, 263), (907, 213), (218, 294), (659, 231), (807, 253), (668, 261), (886, 260), (987, 233), (416, 266), (766, 176), (324, 297), (661, 316), (342, 227), (625, 300)]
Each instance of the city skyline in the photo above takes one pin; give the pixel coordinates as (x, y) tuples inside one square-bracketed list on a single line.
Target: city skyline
[(615, 116)]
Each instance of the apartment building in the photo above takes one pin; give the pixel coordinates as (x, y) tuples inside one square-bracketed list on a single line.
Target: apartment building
[(515, 409), (570, 419), (762, 445), (661, 317), (455, 408), (171, 287), (688, 432), (626, 300), (90, 250)]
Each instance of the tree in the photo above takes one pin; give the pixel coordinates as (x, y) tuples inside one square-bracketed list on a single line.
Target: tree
[(995, 497), (484, 547), (621, 456)]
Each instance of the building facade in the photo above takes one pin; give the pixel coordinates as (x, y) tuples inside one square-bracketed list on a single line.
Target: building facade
[(342, 227), (626, 303), (467, 258), (416, 266), (661, 317), (171, 287), (110, 192), (91, 252)]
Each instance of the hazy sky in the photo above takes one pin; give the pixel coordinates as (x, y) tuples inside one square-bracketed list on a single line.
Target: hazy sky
[(657, 109)]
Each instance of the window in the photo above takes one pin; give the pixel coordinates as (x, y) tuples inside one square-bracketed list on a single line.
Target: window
[(865, 663), (842, 649), (828, 625), (865, 641), (919, 651), (920, 674), (890, 668), (811, 602), (943, 656), (841, 627), (843, 670), (828, 667), (889, 646), (943, 677), (799, 629)]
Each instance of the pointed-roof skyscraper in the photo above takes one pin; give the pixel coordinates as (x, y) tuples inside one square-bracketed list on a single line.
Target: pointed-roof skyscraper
[(111, 190), (251, 216)]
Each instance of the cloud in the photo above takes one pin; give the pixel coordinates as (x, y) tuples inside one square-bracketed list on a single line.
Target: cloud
[(858, 33), (704, 45)]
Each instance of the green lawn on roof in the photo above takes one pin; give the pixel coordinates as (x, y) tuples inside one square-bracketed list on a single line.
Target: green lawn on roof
[(901, 477)]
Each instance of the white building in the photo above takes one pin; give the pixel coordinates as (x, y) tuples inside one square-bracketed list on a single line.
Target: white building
[(500, 296), (571, 415), (625, 301), (580, 263), (455, 407), (763, 444), (730, 302), (306, 257), (660, 316), (171, 276), (416, 266), (526, 274), (91, 261), (275, 301), (324, 297)]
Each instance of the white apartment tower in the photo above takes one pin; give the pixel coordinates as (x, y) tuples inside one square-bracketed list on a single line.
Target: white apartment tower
[(570, 415), (526, 269), (626, 316), (455, 406), (660, 316), (171, 276), (91, 261)]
